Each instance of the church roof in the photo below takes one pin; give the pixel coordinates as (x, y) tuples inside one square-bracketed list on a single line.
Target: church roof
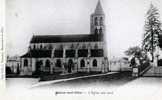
[(99, 9), (38, 54), (64, 38)]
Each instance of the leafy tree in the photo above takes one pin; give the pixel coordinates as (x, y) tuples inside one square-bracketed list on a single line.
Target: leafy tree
[(134, 51), (140, 54), (152, 31), (160, 41)]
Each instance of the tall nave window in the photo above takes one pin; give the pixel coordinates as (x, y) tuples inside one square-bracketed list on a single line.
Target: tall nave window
[(25, 62)]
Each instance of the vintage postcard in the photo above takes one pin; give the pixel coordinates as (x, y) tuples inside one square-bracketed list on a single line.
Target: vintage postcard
[(81, 49)]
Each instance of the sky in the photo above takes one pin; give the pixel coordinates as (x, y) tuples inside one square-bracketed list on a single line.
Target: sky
[(124, 21)]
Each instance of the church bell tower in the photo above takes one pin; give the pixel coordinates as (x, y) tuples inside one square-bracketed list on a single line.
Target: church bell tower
[(97, 24)]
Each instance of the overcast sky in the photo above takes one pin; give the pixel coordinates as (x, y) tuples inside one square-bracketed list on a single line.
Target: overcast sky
[(124, 21)]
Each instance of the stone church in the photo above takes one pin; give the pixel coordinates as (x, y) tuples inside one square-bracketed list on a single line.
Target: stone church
[(69, 53)]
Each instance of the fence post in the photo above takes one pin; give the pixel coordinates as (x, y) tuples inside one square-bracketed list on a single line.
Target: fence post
[(135, 71)]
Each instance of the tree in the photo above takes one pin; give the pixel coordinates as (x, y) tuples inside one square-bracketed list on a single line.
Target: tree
[(152, 31), (136, 51), (160, 41)]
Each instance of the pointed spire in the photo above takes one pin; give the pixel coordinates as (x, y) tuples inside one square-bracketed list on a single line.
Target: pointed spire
[(99, 9)]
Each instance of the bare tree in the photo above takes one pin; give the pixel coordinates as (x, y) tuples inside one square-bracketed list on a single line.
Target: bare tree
[(152, 31)]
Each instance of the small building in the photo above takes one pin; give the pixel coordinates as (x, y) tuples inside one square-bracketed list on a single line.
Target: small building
[(119, 64), (13, 64)]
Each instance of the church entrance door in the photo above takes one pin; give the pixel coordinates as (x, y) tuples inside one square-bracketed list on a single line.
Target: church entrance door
[(70, 65), (38, 67)]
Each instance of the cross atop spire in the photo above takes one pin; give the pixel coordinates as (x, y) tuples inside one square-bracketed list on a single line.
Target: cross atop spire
[(99, 9)]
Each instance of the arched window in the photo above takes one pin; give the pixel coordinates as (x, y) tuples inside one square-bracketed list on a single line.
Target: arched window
[(47, 63), (40, 46), (58, 63), (82, 63), (96, 23), (96, 31), (25, 62), (101, 21), (100, 30), (94, 63), (33, 46)]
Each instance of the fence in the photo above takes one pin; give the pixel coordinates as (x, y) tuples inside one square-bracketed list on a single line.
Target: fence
[(154, 72), (141, 69)]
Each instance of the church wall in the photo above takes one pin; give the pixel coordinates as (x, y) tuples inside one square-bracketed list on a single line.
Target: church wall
[(33, 64), (70, 45), (89, 64), (43, 67), (86, 67), (54, 61), (31, 68), (28, 70), (85, 60), (76, 46), (99, 64)]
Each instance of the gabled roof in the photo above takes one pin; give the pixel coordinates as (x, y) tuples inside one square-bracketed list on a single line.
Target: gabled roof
[(99, 9), (64, 38), (37, 54)]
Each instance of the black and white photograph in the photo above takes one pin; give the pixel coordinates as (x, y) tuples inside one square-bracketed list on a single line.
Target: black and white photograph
[(107, 48)]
